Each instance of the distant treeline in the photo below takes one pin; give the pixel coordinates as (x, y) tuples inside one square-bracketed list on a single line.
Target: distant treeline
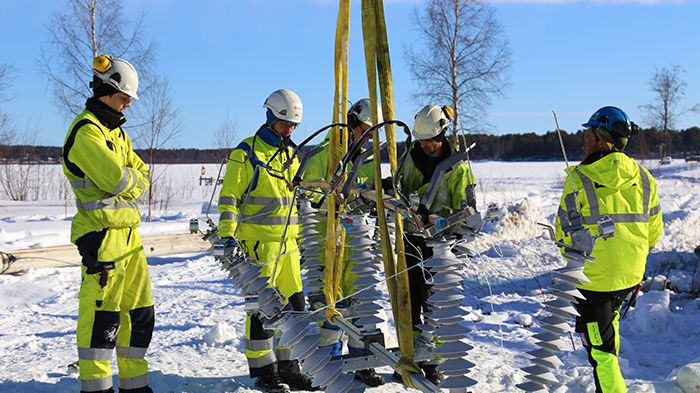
[(531, 146), (509, 147)]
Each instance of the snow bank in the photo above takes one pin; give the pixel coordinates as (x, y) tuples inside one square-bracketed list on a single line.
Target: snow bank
[(198, 344), (688, 378), (661, 387), (651, 315), (220, 335)]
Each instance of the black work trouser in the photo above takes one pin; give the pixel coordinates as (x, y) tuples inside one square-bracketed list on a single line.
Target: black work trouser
[(417, 251), (598, 325)]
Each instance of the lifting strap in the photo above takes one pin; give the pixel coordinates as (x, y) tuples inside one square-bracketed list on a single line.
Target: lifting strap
[(378, 66), (338, 144)]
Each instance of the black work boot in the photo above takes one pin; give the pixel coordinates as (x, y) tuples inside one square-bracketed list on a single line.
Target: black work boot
[(370, 377), (271, 383), (143, 389), (110, 390), (432, 374), (290, 372)]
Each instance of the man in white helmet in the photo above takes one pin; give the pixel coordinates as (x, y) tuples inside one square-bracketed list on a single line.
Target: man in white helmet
[(115, 302), (256, 171), (426, 153), (360, 120)]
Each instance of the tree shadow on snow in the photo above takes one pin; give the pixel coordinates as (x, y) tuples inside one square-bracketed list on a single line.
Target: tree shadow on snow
[(65, 384), (526, 286), (165, 383), (160, 382), (158, 261)]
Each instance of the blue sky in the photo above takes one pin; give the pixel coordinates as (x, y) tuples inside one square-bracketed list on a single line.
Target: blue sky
[(568, 56)]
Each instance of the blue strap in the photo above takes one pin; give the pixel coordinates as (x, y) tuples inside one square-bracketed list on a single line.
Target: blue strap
[(254, 162)]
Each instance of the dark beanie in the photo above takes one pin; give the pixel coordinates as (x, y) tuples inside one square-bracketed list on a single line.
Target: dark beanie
[(99, 88)]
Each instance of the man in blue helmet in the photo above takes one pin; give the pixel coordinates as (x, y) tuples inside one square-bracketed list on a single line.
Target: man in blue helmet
[(609, 183)]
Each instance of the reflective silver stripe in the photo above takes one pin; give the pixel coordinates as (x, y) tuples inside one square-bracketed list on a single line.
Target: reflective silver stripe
[(262, 217), (283, 353), (594, 217), (259, 345), (127, 175), (589, 189), (131, 352), (646, 189), (629, 217), (271, 220), (95, 385), (100, 205), (133, 382), (442, 194), (228, 216), (269, 205), (225, 200), (655, 210), (79, 184), (275, 201), (262, 361), (618, 218), (141, 183), (95, 353), (256, 200)]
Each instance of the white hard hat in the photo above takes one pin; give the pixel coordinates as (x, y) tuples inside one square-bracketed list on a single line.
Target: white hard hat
[(285, 105), (117, 73), (431, 121), (363, 113)]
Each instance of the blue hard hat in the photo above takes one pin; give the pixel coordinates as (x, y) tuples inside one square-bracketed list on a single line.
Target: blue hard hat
[(607, 117)]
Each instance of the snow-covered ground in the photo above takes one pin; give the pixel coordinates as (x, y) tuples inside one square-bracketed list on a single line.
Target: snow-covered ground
[(198, 347)]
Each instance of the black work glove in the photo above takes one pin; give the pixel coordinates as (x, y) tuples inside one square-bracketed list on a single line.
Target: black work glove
[(388, 185)]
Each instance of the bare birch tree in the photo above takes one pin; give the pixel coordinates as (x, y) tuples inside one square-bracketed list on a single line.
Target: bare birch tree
[(163, 126), (78, 32), (462, 60), (665, 110), (19, 177), (6, 77), (225, 133)]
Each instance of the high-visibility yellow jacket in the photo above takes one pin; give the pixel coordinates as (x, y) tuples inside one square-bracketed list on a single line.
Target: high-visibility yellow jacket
[(456, 188), (317, 167), (616, 186), (104, 172), (255, 170)]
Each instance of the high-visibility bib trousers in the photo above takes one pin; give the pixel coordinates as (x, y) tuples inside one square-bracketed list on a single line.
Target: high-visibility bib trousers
[(115, 310)]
